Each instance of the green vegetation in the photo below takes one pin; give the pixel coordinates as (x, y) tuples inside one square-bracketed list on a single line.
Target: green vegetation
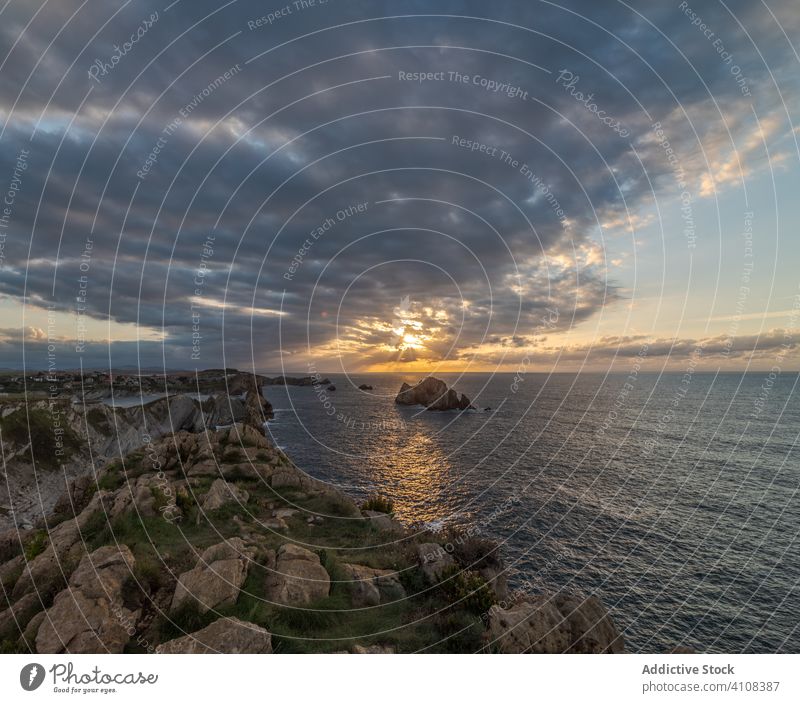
[(98, 420), (472, 551), (35, 545), (52, 440), (431, 618), (380, 504), (468, 588), (160, 499), (112, 478)]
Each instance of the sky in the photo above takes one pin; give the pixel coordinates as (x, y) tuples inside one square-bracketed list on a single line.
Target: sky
[(400, 186)]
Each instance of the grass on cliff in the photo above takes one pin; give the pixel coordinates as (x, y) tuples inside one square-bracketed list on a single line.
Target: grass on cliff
[(379, 504), (52, 440), (440, 619)]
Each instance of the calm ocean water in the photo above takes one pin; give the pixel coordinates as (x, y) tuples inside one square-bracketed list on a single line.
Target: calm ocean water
[(672, 498)]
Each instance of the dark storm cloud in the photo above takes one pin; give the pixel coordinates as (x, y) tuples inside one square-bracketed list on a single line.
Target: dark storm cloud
[(187, 154)]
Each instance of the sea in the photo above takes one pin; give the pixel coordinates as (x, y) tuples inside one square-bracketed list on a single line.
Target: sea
[(672, 497)]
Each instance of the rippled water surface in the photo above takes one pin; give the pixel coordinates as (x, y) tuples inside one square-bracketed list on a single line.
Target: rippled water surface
[(675, 501)]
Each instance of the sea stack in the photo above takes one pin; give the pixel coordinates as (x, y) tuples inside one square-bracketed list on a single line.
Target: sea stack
[(434, 395)]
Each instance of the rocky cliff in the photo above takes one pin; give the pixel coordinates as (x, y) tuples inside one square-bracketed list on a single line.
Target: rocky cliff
[(213, 541), (65, 440)]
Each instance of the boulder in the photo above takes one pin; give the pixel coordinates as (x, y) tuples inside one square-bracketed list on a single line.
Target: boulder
[(245, 435), (433, 394), (275, 523), (364, 387), (209, 587), (9, 573), (373, 586), (28, 638), (223, 636), (14, 619), (554, 625), (221, 493), (48, 572), (591, 626), (11, 542), (298, 578), (90, 617), (382, 521), (216, 579), (495, 577), (140, 495), (434, 561), (286, 478), (76, 496)]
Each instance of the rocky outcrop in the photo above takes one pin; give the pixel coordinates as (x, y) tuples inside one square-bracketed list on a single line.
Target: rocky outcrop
[(433, 394), (298, 577), (216, 579), (222, 493), (13, 618), (369, 587), (223, 636), (434, 561), (95, 604), (554, 625), (46, 572), (90, 616), (101, 433), (220, 410)]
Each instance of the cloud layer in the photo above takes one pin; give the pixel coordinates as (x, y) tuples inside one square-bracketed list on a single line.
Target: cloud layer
[(268, 191)]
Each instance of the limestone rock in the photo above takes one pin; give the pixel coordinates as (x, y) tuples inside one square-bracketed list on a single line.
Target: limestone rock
[(50, 569), (9, 573), (11, 542), (286, 478), (221, 493), (14, 619), (221, 410), (373, 586), (90, 616), (216, 579), (382, 521), (76, 497), (433, 394), (434, 561), (591, 626), (223, 636), (299, 578), (275, 523), (28, 638), (495, 577), (554, 625)]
